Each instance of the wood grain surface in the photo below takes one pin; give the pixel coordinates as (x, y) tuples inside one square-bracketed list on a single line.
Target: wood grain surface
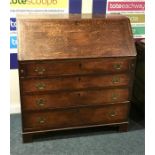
[(74, 37)]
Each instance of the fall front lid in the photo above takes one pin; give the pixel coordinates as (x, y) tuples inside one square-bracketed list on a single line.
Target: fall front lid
[(70, 36)]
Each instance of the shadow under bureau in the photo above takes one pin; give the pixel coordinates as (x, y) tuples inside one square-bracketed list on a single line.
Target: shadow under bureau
[(74, 72)]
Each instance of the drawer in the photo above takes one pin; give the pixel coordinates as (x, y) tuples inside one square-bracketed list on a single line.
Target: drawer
[(75, 117), (74, 83), (94, 66), (78, 98)]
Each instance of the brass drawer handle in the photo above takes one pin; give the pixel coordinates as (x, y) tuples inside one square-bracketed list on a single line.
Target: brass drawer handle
[(132, 66), (41, 120), (112, 114), (40, 70), (40, 86), (115, 79), (40, 102), (117, 66), (22, 71), (114, 96)]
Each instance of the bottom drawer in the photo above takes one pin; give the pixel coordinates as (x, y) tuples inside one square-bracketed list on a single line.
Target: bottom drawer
[(75, 117)]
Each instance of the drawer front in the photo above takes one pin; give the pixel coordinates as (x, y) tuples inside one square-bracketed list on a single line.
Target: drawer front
[(76, 67), (75, 117), (78, 98), (74, 83)]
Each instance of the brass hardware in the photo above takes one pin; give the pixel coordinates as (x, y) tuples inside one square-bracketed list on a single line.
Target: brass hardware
[(40, 102), (22, 71), (40, 86), (41, 120), (114, 96), (113, 114), (40, 70), (132, 65), (116, 79), (117, 66)]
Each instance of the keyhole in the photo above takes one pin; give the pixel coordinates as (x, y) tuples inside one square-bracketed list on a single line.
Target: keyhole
[(79, 94), (79, 79), (80, 65)]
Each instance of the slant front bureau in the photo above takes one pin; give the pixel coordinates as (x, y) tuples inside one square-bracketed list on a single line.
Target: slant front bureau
[(74, 72)]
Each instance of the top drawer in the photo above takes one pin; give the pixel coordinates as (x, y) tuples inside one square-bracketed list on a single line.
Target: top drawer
[(71, 67)]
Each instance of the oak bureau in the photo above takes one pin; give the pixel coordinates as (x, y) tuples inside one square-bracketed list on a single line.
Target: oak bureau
[(74, 72)]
